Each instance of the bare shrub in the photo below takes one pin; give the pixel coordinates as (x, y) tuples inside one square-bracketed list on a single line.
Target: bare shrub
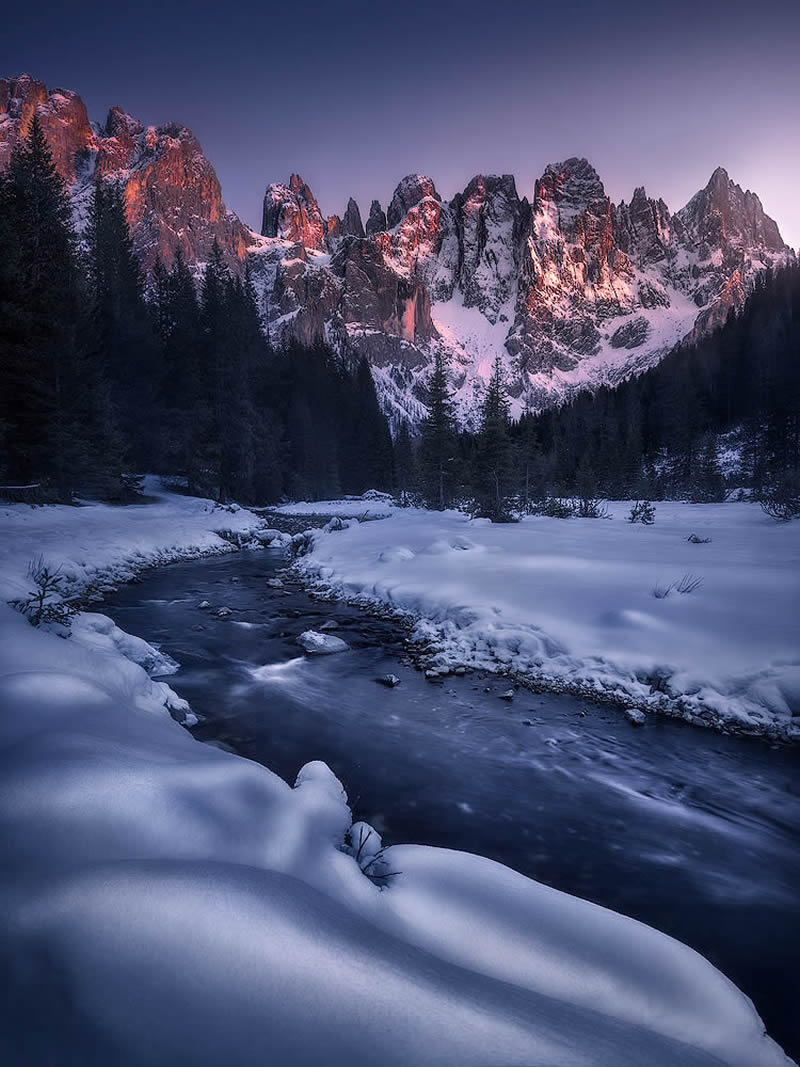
[(554, 507), (585, 507), (687, 584)]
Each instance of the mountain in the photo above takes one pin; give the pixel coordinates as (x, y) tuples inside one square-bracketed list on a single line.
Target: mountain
[(572, 290), (172, 194)]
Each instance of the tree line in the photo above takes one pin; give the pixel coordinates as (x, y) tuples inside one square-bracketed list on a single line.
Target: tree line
[(104, 373), (661, 434)]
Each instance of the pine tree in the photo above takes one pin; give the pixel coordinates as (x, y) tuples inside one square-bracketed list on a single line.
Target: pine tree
[(369, 445), (492, 467), (404, 464), (438, 450), (54, 411)]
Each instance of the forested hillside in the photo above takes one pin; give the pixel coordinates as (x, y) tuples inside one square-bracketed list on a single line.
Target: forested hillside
[(107, 373)]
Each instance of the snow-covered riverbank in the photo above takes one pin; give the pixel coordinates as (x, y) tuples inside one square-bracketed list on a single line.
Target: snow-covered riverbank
[(595, 606), (166, 901)]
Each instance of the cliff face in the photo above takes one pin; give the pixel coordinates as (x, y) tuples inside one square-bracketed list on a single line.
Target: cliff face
[(172, 194), (572, 290)]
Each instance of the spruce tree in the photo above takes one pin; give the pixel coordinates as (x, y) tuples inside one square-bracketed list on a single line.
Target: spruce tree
[(438, 447), (492, 466), (404, 465), (55, 416)]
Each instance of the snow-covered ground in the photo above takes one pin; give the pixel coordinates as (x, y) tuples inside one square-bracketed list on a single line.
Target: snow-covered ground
[(575, 603), (99, 545), (164, 901)]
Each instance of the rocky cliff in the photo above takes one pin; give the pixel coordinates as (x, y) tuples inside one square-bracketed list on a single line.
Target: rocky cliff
[(172, 194), (572, 290)]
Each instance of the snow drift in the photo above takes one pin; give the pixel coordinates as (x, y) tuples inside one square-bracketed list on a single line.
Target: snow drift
[(636, 614), (164, 901)]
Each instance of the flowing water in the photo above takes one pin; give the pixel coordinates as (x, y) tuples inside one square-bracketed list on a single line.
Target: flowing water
[(692, 832)]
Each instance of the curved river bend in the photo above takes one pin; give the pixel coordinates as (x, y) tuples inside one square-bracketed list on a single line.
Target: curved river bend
[(689, 831)]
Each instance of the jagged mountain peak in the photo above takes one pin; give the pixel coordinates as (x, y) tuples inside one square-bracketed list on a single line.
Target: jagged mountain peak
[(410, 190), (573, 183), (172, 196), (722, 216), (352, 225), (292, 213), (376, 222)]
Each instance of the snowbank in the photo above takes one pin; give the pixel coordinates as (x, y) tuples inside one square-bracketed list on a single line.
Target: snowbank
[(165, 902), (98, 545), (372, 505), (579, 604)]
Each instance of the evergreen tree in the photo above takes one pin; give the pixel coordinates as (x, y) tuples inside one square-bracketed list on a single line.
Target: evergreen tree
[(404, 464), (54, 416), (369, 458), (438, 451), (492, 466)]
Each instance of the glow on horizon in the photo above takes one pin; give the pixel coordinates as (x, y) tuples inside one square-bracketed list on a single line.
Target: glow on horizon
[(355, 95)]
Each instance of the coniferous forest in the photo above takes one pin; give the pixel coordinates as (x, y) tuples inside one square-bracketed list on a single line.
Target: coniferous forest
[(106, 374)]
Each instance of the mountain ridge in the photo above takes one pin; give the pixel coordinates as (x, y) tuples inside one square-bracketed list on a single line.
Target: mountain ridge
[(572, 290)]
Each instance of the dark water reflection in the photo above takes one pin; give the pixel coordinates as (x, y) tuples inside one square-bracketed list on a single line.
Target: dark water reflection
[(691, 832)]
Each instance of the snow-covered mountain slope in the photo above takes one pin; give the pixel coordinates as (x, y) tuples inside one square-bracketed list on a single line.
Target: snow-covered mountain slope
[(570, 289)]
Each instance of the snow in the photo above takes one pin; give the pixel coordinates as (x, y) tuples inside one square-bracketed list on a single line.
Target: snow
[(358, 507), (166, 901), (98, 545), (321, 644), (572, 604)]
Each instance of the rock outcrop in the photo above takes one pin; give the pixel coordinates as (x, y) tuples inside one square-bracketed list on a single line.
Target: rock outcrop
[(376, 222), (61, 113), (172, 195), (292, 213)]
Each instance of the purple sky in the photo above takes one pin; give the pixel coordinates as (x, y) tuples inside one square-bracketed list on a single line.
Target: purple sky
[(355, 95)]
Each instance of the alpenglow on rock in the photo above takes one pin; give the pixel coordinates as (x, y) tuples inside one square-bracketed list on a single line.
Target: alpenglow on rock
[(173, 198), (570, 289)]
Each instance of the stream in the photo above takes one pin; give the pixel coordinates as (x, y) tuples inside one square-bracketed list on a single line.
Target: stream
[(690, 831)]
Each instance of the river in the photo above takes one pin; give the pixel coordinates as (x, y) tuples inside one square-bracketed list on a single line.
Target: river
[(687, 830)]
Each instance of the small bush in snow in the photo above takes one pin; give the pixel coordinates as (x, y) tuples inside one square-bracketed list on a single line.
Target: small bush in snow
[(555, 508), (781, 500), (644, 512), (693, 539), (590, 508), (45, 603)]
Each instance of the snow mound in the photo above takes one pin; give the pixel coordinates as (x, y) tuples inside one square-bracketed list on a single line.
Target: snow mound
[(101, 633), (395, 554), (321, 644), (575, 605)]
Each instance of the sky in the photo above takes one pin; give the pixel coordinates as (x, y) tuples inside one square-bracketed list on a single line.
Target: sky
[(354, 95)]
